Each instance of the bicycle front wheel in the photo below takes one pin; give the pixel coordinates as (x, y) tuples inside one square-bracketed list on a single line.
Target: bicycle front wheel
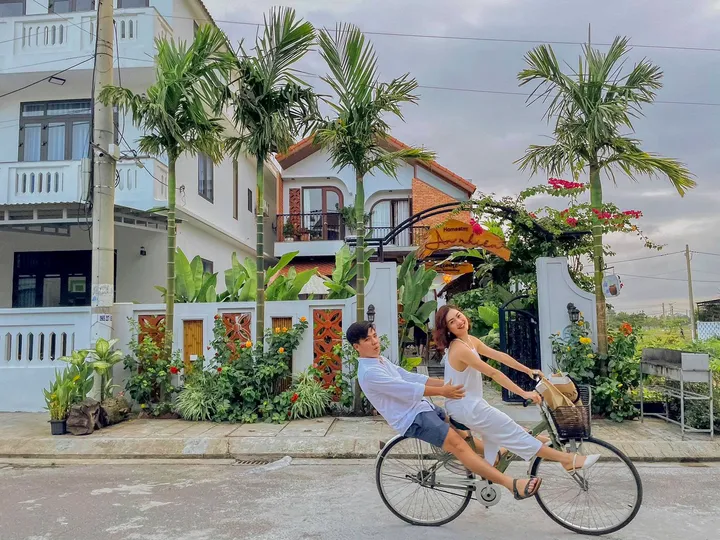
[(422, 484), (601, 500)]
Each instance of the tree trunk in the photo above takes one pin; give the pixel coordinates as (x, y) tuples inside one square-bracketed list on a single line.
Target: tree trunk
[(360, 250), (599, 264), (171, 248), (360, 261), (260, 254)]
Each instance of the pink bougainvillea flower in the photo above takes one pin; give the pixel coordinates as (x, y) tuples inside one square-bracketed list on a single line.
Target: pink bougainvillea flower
[(572, 221)]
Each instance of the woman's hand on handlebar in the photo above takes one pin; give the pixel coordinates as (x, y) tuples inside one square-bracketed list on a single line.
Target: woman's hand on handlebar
[(533, 397), (535, 374)]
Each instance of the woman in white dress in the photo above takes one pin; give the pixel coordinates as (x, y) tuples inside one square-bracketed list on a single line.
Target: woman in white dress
[(464, 365)]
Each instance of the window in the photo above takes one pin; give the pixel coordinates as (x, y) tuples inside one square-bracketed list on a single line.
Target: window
[(207, 266), (388, 214), (69, 6), (52, 279), (133, 3), (55, 130), (12, 8), (321, 213), (251, 207), (206, 181)]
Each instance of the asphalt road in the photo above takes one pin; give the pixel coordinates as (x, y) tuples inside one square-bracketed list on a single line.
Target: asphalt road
[(302, 500)]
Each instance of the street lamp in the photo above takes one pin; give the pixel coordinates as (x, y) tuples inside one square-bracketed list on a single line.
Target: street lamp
[(573, 313), (371, 313)]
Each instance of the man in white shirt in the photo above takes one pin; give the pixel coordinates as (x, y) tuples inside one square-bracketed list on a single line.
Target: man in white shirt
[(399, 396)]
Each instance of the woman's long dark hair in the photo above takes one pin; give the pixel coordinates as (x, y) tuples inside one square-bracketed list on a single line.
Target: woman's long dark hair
[(442, 334)]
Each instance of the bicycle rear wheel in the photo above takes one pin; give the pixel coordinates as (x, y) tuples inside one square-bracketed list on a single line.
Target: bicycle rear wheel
[(422, 484), (601, 500)]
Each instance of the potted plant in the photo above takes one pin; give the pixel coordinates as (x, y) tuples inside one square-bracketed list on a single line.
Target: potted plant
[(56, 400), (289, 231)]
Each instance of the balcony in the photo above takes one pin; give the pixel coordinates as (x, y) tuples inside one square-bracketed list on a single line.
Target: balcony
[(49, 182), (324, 234), (38, 41)]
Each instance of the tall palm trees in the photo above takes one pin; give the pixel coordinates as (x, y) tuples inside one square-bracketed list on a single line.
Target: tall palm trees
[(590, 107), (271, 106), (173, 113), (354, 138)]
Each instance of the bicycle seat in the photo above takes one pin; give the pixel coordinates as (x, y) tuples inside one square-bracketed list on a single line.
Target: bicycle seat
[(458, 425)]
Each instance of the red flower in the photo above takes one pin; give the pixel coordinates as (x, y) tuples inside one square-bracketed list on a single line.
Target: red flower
[(626, 328), (294, 398), (477, 228), (219, 370), (533, 215), (174, 370), (637, 214), (572, 221), (564, 212), (557, 183), (217, 317)]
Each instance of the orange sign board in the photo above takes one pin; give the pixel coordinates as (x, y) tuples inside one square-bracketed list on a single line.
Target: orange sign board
[(454, 233), (450, 268)]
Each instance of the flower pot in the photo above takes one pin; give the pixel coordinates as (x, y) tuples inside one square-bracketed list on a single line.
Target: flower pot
[(289, 239), (58, 427)]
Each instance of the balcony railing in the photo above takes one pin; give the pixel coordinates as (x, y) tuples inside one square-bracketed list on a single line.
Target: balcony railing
[(47, 36), (331, 226), (47, 182)]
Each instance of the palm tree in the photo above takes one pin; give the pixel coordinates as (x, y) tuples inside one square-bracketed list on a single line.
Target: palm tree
[(590, 107), (271, 106), (355, 137), (173, 114)]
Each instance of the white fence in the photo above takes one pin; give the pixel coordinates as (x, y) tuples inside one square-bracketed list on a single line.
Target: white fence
[(31, 342)]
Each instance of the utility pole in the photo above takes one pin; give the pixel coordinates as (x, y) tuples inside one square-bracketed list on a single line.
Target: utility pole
[(103, 210), (693, 324), (663, 310)]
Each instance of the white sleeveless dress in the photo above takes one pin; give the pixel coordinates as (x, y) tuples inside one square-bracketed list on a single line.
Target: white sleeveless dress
[(496, 428)]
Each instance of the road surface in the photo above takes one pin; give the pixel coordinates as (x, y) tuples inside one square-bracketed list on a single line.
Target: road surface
[(331, 500)]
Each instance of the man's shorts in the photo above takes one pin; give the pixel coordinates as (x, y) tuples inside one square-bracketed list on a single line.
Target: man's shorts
[(430, 426)]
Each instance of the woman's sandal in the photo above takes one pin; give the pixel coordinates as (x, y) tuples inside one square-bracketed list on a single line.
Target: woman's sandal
[(526, 494), (589, 462)]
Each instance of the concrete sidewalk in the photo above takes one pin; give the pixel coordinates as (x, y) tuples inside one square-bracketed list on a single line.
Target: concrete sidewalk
[(28, 435)]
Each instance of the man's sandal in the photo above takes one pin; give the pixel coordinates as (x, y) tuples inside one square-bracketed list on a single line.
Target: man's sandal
[(589, 462), (526, 494)]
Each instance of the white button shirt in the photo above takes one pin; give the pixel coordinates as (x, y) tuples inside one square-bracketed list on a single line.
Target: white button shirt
[(396, 393)]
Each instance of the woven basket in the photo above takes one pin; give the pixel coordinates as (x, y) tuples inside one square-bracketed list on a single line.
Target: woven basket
[(574, 422)]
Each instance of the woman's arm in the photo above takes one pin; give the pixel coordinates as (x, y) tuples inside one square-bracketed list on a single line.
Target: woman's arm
[(501, 357), (466, 356)]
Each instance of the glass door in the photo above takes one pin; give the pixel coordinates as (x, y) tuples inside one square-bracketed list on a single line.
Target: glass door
[(321, 213)]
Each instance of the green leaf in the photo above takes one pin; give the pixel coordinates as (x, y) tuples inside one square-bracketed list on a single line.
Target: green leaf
[(284, 261)]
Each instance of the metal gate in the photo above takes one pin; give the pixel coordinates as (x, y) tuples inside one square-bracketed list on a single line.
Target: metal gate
[(519, 338)]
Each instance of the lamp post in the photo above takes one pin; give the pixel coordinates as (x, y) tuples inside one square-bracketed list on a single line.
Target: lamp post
[(371, 313)]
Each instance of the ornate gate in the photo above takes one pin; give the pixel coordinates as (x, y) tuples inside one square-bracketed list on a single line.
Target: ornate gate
[(520, 338)]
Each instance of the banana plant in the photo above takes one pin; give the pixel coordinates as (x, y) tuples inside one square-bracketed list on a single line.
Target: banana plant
[(192, 284), (490, 317), (288, 287), (343, 274), (415, 284), (102, 360), (240, 281)]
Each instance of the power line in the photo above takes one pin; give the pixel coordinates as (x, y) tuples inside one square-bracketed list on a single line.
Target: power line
[(45, 78), (466, 38), (668, 279), (645, 258), (705, 253), (55, 61)]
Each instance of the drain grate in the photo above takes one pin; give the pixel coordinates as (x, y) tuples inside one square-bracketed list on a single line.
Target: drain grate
[(251, 462)]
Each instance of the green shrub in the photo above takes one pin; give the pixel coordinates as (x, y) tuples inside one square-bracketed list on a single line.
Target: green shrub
[(204, 397), (310, 399)]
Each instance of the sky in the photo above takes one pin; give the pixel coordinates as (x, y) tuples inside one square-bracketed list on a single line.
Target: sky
[(480, 135)]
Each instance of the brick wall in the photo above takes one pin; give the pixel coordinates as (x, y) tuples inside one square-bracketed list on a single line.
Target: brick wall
[(425, 196)]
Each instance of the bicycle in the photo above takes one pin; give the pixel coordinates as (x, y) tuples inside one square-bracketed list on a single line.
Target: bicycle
[(447, 487)]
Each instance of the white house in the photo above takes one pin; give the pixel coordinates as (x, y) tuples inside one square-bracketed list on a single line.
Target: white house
[(46, 66), (312, 196)]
